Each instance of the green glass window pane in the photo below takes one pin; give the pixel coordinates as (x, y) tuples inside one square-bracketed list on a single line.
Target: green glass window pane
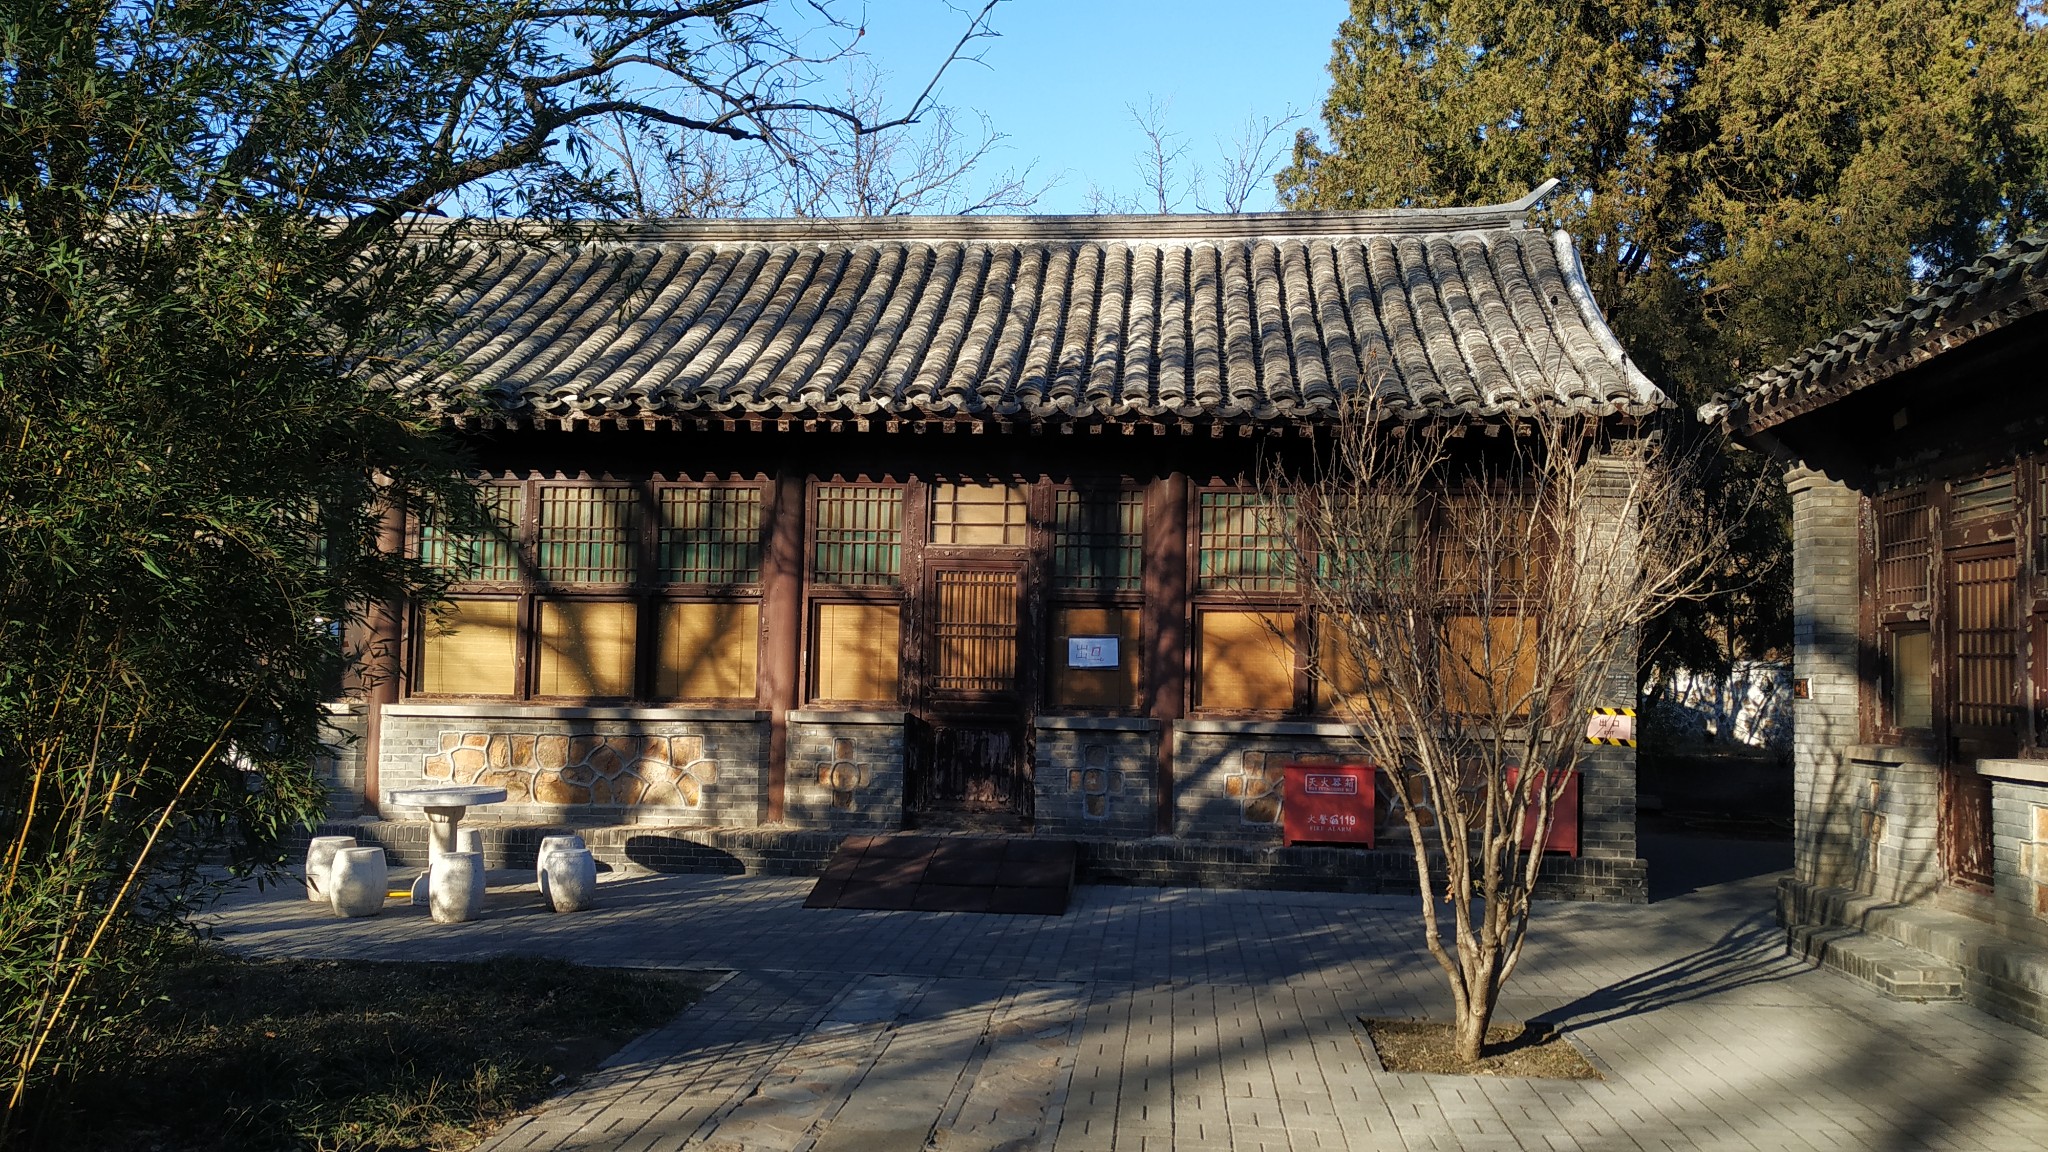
[(487, 557), (588, 535), (1098, 538), (858, 537), (710, 535), (1244, 543)]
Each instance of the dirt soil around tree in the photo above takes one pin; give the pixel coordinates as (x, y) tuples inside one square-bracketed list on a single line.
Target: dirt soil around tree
[(1530, 1051), (237, 1054)]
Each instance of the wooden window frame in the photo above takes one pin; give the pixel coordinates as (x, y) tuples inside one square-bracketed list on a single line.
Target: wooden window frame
[(644, 589), (817, 592), (1293, 601), (1060, 599)]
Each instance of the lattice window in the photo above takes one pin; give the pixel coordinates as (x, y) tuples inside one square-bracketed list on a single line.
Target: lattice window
[(858, 535), (989, 515), (1098, 540), (1986, 628), (1983, 498), (974, 632), (1905, 546), (488, 557), (1243, 544), (588, 535), (710, 535)]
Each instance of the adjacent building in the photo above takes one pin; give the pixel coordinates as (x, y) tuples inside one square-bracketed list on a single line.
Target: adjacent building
[(1918, 445)]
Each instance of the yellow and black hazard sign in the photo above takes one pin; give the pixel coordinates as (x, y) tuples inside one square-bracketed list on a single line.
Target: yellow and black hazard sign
[(1611, 726)]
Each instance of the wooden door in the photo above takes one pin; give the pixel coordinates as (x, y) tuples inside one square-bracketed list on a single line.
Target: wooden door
[(1981, 668), (970, 753)]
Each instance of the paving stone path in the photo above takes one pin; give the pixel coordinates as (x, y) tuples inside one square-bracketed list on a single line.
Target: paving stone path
[(1151, 1019)]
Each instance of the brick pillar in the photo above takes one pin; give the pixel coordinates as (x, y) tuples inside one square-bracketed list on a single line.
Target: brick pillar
[(1825, 539)]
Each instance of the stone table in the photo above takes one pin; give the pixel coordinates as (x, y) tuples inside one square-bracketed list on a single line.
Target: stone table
[(444, 808)]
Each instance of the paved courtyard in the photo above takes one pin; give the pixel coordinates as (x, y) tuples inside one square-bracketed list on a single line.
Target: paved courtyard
[(1151, 1019)]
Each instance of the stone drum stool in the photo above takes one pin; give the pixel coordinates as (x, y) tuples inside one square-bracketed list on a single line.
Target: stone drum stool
[(571, 879), (455, 888), (357, 880), (320, 858), (540, 860)]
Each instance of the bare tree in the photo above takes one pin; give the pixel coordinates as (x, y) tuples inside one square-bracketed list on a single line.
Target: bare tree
[(1474, 598), (932, 166), (1167, 178)]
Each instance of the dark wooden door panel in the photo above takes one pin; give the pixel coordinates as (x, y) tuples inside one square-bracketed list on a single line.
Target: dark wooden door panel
[(969, 750), (1983, 707)]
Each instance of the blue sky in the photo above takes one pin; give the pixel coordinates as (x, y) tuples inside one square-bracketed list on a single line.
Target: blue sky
[(1059, 77)]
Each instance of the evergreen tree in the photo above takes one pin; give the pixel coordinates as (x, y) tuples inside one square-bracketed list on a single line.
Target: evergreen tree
[(1744, 176)]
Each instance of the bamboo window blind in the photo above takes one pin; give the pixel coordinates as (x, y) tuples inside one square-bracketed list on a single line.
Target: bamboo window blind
[(1094, 687), (855, 652), (586, 647), (708, 651), (858, 537), (710, 535), (1246, 660), (588, 535), (1098, 540), (471, 649)]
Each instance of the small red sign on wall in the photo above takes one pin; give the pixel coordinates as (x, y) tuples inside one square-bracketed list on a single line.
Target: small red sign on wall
[(1326, 803), (1564, 817)]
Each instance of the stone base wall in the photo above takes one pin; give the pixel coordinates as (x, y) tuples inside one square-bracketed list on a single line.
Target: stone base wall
[(2019, 853), (1885, 813), (1228, 786), (1227, 778), (667, 766), (845, 771), (1096, 777)]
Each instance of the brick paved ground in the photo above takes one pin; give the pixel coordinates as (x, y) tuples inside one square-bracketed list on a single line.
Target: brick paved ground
[(1148, 1019)]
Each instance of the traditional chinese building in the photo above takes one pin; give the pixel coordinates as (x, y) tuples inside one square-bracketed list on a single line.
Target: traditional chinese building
[(863, 524), (1919, 448)]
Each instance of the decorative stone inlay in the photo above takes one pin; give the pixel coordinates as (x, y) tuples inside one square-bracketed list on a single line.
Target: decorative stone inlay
[(843, 776), (1095, 781), (1256, 786), (578, 768)]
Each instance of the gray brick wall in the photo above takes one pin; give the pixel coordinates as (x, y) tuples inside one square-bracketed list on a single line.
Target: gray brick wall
[(845, 771), (1096, 777), (1826, 847), (2019, 855), (341, 766), (1892, 798)]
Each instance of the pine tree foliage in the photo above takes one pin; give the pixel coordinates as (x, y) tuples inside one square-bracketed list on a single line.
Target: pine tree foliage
[(1744, 176)]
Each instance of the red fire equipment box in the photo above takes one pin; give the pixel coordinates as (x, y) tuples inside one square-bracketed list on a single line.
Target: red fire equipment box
[(1328, 803), (1564, 821)]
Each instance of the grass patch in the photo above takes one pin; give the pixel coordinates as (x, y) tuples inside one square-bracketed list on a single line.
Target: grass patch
[(241, 1054)]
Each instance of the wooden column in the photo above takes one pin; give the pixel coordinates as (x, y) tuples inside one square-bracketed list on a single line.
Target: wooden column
[(782, 606), (1166, 622), (383, 665)]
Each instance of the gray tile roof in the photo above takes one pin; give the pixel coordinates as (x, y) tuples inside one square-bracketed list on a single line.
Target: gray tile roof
[(1948, 312), (1051, 319)]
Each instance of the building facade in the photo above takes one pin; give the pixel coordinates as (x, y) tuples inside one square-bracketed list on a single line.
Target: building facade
[(1918, 446), (937, 522)]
